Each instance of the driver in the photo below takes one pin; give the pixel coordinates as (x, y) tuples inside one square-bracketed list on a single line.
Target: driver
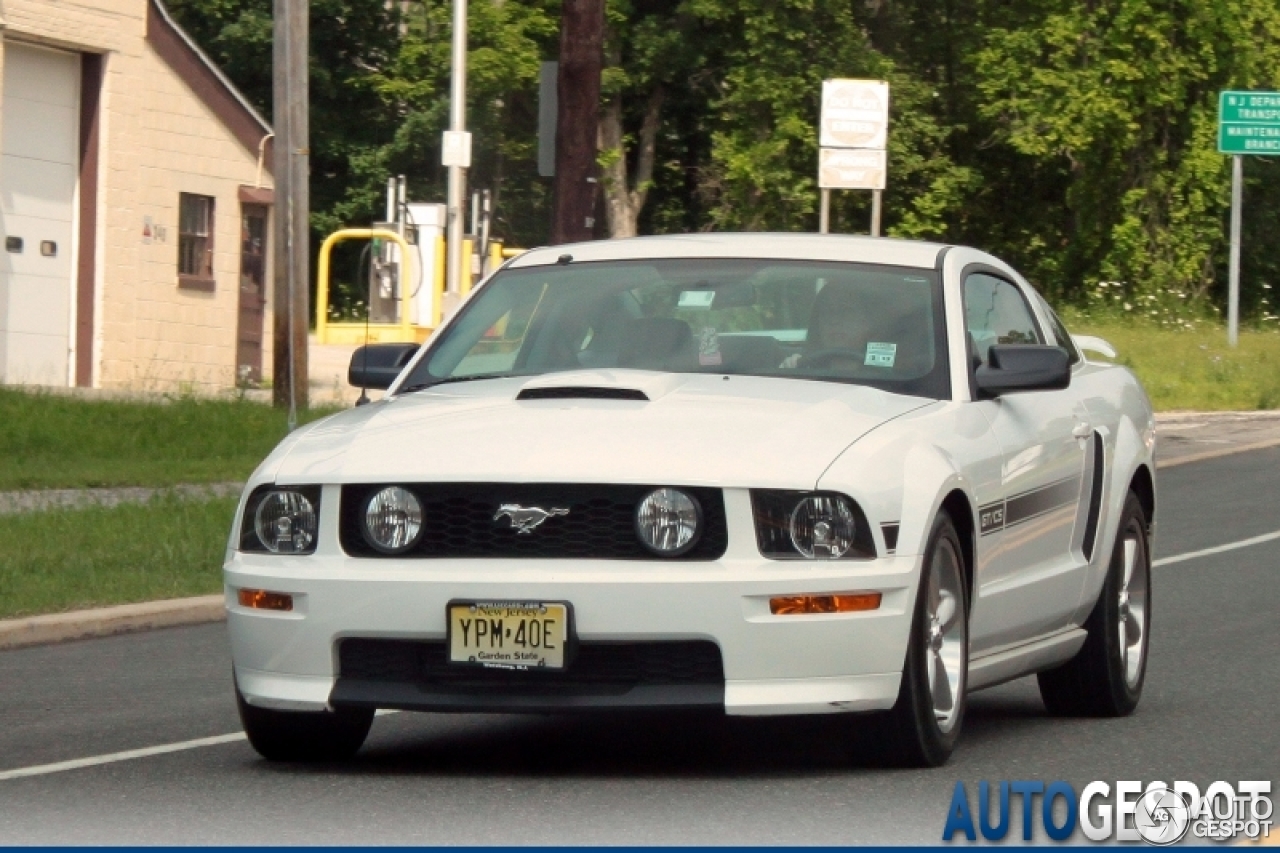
[(839, 328)]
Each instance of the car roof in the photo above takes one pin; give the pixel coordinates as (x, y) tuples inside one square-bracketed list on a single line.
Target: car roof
[(813, 247)]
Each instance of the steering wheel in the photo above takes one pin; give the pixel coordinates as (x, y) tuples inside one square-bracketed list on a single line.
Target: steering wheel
[(826, 357)]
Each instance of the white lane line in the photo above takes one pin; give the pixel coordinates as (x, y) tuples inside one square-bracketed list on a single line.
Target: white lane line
[(130, 754), (111, 758), (1230, 546)]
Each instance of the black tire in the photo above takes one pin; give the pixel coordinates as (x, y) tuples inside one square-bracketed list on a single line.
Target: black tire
[(1099, 681), (304, 735), (913, 734)]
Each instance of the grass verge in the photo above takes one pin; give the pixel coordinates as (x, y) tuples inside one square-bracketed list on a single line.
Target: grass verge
[(1196, 369), (60, 560), (49, 441)]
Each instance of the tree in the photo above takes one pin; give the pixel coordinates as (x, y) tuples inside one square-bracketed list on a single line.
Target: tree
[(1120, 97)]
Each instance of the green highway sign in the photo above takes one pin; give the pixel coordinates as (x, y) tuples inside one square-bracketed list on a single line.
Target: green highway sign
[(1249, 123)]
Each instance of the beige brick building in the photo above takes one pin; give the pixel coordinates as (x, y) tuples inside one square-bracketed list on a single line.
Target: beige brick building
[(136, 196)]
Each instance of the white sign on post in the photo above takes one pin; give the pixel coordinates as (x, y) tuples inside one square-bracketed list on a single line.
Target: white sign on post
[(455, 150), (855, 114), (852, 169)]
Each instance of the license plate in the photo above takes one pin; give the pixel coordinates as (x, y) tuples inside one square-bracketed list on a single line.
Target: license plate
[(508, 634)]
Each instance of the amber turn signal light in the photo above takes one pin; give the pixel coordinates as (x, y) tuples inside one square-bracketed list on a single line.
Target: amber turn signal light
[(789, 605), (260, 599)]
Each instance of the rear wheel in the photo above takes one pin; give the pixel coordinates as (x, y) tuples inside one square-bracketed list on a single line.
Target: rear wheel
[(924, 725), (304, 735), (1105, 677)]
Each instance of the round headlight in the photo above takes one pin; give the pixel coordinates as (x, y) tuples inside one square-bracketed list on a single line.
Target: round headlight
[(822, 527), (286, 523), (668, 522), (393, 520)]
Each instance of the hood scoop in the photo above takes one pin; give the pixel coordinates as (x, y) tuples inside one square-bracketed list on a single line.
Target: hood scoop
[(581, 392)]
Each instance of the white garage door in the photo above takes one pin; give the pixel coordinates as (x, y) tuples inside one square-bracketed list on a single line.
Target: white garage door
[(38, 190)]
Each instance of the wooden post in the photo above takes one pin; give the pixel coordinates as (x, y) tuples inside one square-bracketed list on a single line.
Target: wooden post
[(577, 120), (292, 166)]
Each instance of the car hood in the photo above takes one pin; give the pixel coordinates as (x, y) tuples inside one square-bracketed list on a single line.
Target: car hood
[(694, 429)]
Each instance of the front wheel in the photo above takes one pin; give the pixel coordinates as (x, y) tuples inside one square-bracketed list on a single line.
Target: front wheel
[(1105, 677), (304, 735), (924, 725)]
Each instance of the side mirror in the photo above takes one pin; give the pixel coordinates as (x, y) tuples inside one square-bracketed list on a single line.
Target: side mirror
[(1023, 367), (377, 365)]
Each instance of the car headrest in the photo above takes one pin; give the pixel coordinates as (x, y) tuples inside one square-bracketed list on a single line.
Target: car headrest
[(655, 343)]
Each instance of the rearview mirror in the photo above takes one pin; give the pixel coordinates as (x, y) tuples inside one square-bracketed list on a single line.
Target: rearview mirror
[(1023, 367), (377, 365)]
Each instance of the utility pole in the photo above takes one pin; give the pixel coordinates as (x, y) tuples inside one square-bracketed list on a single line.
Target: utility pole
[(577, 120), (292, 167)]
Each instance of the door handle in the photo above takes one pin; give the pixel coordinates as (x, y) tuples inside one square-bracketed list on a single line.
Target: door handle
[(1083, 429)]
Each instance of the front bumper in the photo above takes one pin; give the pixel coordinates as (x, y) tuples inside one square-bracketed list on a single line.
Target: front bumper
[(772, 664), (819, 663)]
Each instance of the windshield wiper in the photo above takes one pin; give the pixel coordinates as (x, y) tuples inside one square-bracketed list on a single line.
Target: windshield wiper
[(422, 386)]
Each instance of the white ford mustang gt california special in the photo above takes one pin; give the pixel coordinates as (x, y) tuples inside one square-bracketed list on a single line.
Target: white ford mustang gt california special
[(761, 473)]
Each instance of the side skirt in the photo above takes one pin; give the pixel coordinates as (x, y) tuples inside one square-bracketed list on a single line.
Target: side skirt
[(1008, 664)]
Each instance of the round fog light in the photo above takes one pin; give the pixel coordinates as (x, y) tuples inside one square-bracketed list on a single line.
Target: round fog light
[(668, 522), (286, 523), (822, 527), (393, 520)]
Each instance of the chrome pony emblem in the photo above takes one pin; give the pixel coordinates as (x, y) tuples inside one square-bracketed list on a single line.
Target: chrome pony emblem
[(525, 518)]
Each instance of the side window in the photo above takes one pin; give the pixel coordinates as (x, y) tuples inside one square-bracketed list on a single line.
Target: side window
[(1061, 334), (996, 313)]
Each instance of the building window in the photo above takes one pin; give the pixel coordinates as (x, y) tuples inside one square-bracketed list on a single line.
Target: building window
[(195, 241)]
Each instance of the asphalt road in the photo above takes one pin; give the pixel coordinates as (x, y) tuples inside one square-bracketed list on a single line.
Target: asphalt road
[(1208, 713)]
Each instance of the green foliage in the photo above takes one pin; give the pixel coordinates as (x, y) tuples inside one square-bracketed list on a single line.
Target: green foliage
[(1076, 140), (1121, 98)]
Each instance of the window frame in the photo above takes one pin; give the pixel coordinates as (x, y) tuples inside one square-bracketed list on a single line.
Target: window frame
[(1074, 356), (204, 280)]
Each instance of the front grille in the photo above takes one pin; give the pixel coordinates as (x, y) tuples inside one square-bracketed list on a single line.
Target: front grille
[(596, 667), (459, 522)]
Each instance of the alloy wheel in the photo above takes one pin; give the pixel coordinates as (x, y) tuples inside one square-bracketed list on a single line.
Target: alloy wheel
[(945, 635)]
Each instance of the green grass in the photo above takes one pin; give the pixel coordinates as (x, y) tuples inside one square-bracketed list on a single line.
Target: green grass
[(1196, 369), (51, 441), (59, 560)]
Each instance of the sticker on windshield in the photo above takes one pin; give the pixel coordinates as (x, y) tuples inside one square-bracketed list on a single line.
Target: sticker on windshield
[(881, 354), (709, 348), (696, 299)]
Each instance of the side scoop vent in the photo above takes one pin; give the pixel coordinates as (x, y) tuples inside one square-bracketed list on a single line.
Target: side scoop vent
[(582, 392)]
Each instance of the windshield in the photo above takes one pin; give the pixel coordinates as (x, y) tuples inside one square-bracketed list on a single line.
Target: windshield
[(841, 322)]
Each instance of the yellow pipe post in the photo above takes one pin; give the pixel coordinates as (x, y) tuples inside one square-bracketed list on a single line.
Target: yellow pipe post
[(322, 276), (468, 248), (438, 312), (495, 255)]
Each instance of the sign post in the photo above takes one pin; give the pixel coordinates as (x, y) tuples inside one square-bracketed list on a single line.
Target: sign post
[(1248, 123), (852, 138)]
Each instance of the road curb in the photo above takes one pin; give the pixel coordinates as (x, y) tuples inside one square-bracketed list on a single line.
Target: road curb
[(105, 621)]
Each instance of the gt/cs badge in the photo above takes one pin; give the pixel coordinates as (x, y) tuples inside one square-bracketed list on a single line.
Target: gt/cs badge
[(525, 518)]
